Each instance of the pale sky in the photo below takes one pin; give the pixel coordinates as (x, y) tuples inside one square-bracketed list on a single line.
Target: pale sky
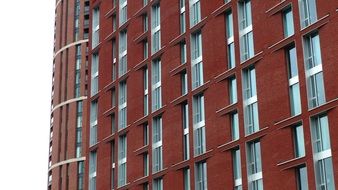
[(26, 56)]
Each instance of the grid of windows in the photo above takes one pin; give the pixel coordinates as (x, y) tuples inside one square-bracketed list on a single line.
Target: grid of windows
[(308, 12), (156, 90), (245, 30), (122, 161), (250, 101), (295, 103), (314, 71), (157, 164), (199, 125), (322, 155), (155, 28)]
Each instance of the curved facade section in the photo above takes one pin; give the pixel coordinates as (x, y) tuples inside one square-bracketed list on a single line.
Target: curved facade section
[(69, 94)]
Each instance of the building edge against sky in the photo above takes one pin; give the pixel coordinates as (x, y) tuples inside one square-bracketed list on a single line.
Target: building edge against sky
[(194, 94)]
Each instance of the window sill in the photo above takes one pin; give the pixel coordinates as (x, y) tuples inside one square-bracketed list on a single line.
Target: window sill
[(141, 150), (179, 69), (199, 25), (204, 156), (292, 163), (227, 109), (225, 75), (201, 88), (181, 165), (141, 37), (110, 13), (141, 65), (256, 135), (277, 8), (141, 180), (252, 60), (229, 145), (180, 100), (222, 9), (177, 40), (109, 111), (316, 25), (160, 173)]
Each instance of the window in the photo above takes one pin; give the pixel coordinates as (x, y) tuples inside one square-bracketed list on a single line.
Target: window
[(182, 16), (183, 47), (196, 60), (155, 28), (254, 165), (186, 178), (95, 74), (122, 162), (195, 12), (234, 126), (80, 176), (113, 123), (184, 83), (123, 53), (232, 90), (112, 164), (96, 27), (294, 92), (145, 135), (245, 30), (76, 20), (157, 144), (301, 175), (236, 160), (114, 23), (145, 95), (145, 2), (93, 123), (298, 138), (79, 129), (185, 119), (230, 39), (122, 122), (77, 71), (145, 22), (199, 125), (308, 12), (156, 85), (322, 155), (114, 53), (92, 170), (158, 184), (123, 12), (288, 22), (145, 49), (314, 71), (201, 176), (250, 101), (146, 164)]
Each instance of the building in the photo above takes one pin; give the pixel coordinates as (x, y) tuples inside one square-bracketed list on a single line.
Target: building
[(195, 94)]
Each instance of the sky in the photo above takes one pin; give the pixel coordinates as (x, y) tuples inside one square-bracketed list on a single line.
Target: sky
[(26, 57)]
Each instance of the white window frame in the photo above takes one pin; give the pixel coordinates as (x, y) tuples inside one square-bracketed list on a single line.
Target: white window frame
[(257, 175), (201, 179), (199, 125), (123, 43), (122, 108), (96, 27), (195, 12), (196, 60), (157, 164), (311, 17), (145, 94), (245, 31), (95, 74), (123, 10), (122, 161), (93, 122), (237, 165), (230, 40)]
